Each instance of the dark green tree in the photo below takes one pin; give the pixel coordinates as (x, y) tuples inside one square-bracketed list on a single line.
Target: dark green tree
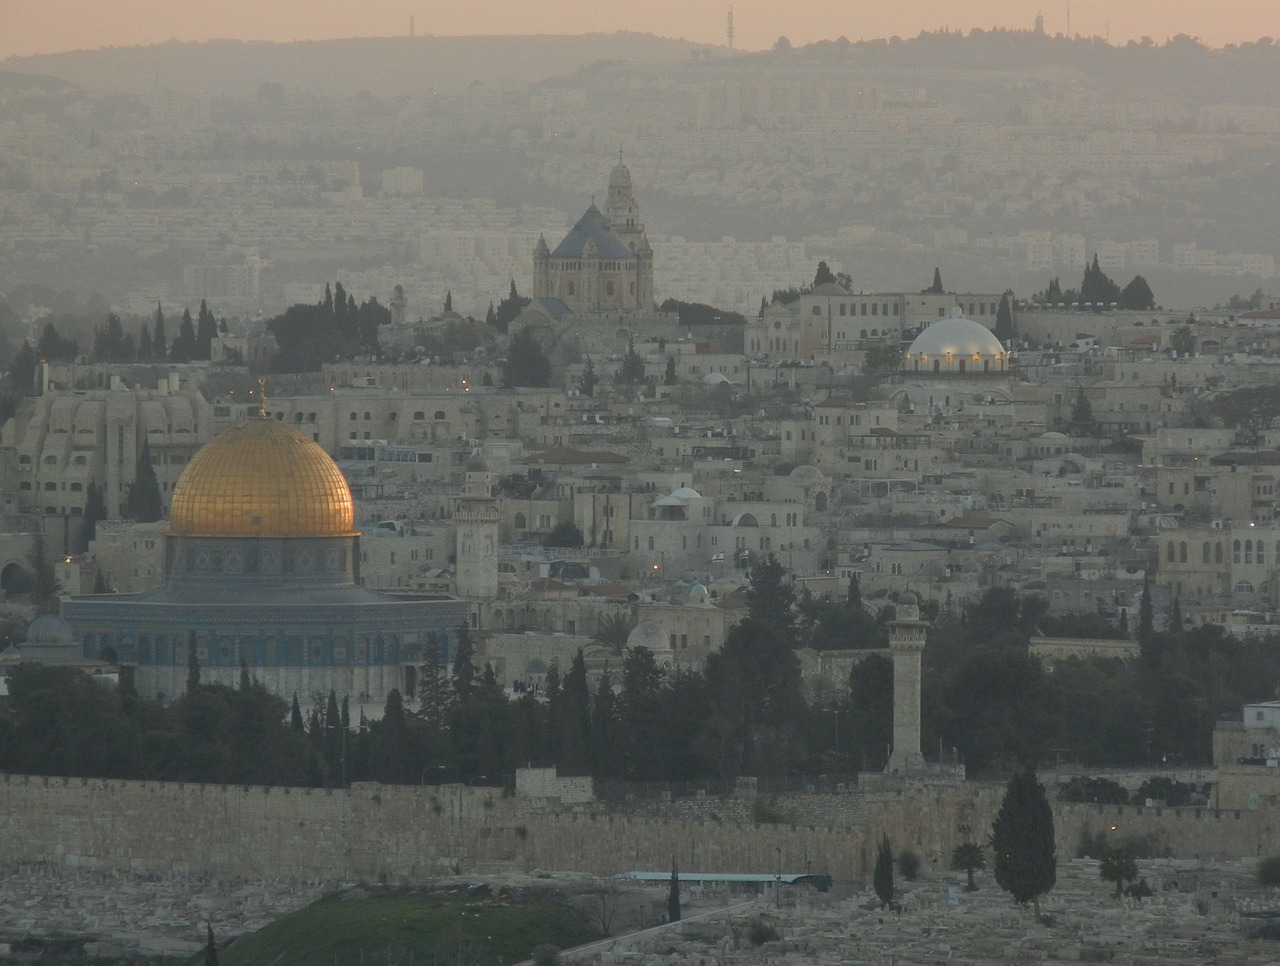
[(936, 288), (51, 345), (210, 948), (184, 346), (193, 667), (111, 344), (771, 598), (631, 372), (1183, 340), (589, 378), (435, 689), (245, 681), (1137, 295), (527, 365), (1022, 840), (564, 534), (295, 716), (464, 664), (206, 332), (44, 590), (1146, 618), (143, 503), (145, 351), (1097, 287), (968, 856), (1004, 320), (1250, 411), (882, 877), (1118, 866), (823, 275), (22, 370), (880, 359), (673, 895), (95, 511), (448, 301), (509, 308), (669, 377), (159, 341), (1082, 419)]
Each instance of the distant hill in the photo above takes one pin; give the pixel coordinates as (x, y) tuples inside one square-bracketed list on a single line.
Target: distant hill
[(386, 66)]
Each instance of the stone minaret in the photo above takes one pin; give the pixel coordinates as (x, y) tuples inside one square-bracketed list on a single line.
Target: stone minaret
[(906, 640), (475, 520)]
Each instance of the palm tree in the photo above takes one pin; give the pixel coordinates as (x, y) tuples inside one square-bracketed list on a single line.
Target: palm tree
[(1119, 867), (613, 630), (968, 856)]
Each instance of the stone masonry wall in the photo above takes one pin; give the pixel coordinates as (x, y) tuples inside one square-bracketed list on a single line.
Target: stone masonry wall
[(380, 832)]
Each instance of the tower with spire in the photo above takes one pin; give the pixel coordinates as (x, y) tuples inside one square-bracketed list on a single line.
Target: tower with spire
[(605, 263)]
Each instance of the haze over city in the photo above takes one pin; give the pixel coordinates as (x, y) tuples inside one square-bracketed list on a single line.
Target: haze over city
[(38, 27)]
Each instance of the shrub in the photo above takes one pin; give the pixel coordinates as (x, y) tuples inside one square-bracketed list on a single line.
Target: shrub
[(909, 865), (765, 811), (546, 955), (1268, 871), (761, 932), (1100, 790)]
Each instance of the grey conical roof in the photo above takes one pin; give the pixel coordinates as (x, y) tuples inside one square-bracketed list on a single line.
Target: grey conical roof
[(592, 227)]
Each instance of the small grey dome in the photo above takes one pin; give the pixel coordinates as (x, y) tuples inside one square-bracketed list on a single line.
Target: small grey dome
[(49, 629)]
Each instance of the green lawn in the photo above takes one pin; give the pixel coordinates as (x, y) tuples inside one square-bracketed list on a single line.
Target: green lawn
[(374, 926)]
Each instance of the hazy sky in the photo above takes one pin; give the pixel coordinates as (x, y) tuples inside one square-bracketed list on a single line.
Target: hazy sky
[(44, 26)]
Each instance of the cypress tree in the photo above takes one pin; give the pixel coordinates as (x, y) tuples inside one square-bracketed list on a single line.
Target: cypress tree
[(193, 667), (1026, 861), (143, 503), (1146, 618), (669, 378), (589, 378), (1004, 320), (464, 665), (245, 681), (159, 344), (936, 288), (882, 878), (295, 716), (673, 895)]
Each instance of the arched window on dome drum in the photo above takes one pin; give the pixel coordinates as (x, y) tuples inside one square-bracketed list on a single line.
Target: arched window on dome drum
[(962, 361), (937, 365), (986, 365)]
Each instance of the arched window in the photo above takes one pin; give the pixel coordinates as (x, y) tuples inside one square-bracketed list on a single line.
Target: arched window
[(1217, 551), (419, 415), (608, 288), (366, 416), (651, 543), (773, 519), (355, 416), (1244, 587), (1171, 553), (1182, 552), (1262, 553), (1204, 552), (937, 365), (1235, 551), (520, 523), (438, 414), (1248, 551)]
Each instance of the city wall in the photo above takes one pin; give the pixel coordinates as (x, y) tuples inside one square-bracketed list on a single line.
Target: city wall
[(390, 833)]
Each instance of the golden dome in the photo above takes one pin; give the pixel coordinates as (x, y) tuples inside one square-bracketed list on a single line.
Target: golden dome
[(262, 478)]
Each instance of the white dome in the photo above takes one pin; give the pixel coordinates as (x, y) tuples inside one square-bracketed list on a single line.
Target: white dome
[(957, 336), (687, 493)]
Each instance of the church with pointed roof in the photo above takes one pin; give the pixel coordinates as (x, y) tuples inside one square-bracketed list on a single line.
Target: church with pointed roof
[(604, 264)]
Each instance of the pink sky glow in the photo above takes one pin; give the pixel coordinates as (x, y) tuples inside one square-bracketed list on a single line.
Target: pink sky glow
[(47, 26)]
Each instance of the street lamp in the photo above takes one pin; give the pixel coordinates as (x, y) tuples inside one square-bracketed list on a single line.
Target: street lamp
[(423, 780)]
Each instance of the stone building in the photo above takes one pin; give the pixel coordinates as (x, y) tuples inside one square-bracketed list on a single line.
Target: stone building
[(605, 263)]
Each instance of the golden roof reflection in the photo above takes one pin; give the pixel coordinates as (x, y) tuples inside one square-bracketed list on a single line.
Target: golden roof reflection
[(262, 478)]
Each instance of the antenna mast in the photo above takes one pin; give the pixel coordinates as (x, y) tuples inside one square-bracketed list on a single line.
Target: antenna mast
[(729, 27)]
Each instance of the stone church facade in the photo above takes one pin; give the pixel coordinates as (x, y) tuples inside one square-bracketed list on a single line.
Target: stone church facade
[(605, 263)]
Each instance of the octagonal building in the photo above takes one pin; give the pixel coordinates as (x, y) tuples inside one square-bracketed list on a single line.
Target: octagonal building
[(262, 570)]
